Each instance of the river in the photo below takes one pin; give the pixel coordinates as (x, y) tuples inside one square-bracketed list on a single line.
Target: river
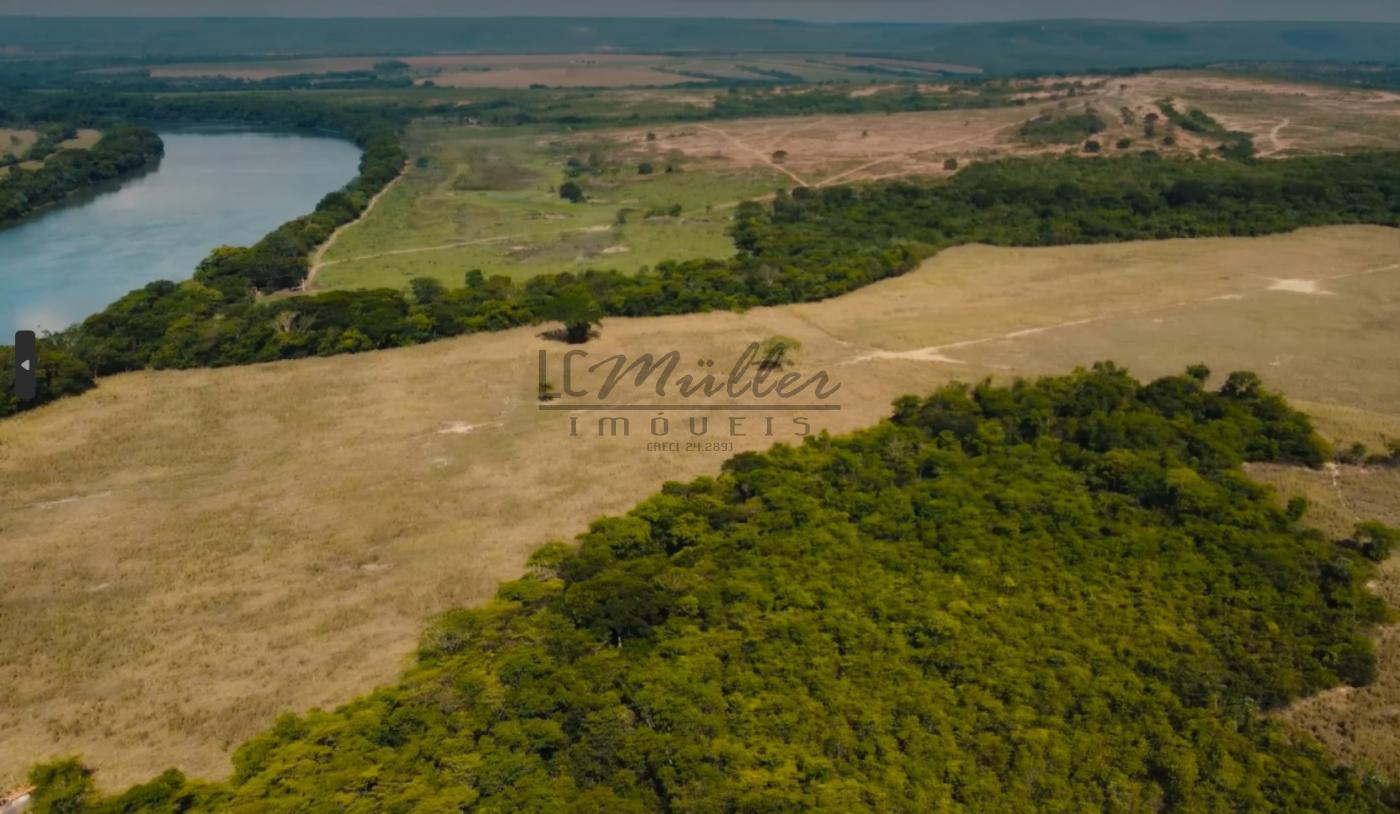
[(212, 188)]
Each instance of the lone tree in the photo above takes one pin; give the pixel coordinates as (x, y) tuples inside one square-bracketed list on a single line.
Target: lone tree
[(1092, 146), (571, 192), (646, 168), (950, 164), (578, 310), (777, 352), (1373, 540)]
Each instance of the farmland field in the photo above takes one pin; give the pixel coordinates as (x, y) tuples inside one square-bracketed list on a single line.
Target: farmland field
[(405, 482)]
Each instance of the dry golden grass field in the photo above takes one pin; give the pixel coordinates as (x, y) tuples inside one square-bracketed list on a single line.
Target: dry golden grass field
[(16, 142), (825, 150), (21, 140), (189, 554), (1360, 726)]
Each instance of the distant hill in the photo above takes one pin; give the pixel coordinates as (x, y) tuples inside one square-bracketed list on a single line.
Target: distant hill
[(1059, 45)]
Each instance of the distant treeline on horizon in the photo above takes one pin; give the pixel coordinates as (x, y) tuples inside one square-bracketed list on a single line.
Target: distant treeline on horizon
[(1005, 47)]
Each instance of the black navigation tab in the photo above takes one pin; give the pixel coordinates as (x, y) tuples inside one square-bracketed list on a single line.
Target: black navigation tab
[(26, 364)]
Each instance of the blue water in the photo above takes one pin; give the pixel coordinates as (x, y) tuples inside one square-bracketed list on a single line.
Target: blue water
[(211, 189)]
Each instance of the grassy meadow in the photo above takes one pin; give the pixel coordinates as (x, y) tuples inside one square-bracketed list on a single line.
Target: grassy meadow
[(480, 198)]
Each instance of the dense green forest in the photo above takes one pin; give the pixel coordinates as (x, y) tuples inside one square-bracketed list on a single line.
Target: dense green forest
[(1062, 595), (807, 245), (120, 151)]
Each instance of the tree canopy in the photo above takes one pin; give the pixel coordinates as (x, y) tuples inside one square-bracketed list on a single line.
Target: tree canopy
[(1061, 595), (120, 151)]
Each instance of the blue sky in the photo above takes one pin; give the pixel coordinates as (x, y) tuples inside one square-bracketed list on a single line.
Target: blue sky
[(819, 10)]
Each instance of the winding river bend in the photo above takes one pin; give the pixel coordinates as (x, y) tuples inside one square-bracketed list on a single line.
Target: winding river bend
[(212, 188)]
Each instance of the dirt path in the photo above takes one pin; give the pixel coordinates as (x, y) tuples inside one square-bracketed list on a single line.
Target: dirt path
[(777, 141), (318, 259), (912, 154), (1274, 139), (756, 153)]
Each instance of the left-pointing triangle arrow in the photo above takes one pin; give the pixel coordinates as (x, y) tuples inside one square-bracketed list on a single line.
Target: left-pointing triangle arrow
[(24, 365)]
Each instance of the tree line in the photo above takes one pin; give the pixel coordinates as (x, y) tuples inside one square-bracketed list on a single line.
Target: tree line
[(803, 246), (1062, 595), (120, 151), (1236, 143)]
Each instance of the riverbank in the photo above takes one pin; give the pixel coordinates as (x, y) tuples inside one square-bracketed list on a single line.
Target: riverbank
[(121, 151), (211, 189)]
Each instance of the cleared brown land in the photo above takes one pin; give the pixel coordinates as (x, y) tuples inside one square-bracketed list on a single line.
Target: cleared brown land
[(824, 150), (190, 553), (585, 76), (828, 149), (1285, 119)]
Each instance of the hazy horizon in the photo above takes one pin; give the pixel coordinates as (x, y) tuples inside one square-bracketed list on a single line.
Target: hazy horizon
[(951, 11)]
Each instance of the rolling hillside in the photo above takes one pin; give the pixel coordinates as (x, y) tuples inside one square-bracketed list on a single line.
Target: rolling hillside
[(998, 47)]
